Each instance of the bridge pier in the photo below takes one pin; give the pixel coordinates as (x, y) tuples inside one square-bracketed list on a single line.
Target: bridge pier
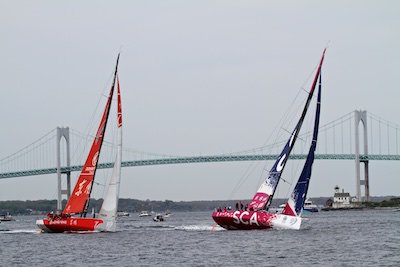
[(63, 132), (361, 116)]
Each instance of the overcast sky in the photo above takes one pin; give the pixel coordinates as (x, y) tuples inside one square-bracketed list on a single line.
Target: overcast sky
[(198, 77)]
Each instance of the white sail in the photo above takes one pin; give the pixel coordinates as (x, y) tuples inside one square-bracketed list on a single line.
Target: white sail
[(108, 211)]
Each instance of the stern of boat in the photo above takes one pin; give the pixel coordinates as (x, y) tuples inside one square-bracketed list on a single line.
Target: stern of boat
[(41, 225), (282, 221), (107, 226)]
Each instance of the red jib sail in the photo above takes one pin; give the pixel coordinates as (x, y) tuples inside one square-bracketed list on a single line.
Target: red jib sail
[(79, 198), (119, 105)]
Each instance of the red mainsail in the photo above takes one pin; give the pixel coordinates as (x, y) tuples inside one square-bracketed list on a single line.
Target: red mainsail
[(79, 198)]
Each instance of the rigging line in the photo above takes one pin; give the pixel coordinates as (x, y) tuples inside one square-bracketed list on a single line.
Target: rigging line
[(249, 170), (310, 75), (289, 189), (103, 94), (284, 117), (342, 118), (261, 149), (79, 146), (109, 144), (325, 128), (97, 183), (91, 123), (296, 111), (334, 123)]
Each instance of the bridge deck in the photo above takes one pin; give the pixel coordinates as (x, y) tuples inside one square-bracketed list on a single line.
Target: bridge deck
[(198, 159)]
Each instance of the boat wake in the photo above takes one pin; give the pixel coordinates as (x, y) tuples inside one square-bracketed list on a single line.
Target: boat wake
[(160, 227), (19, 231), (199, 228), (154, 227)]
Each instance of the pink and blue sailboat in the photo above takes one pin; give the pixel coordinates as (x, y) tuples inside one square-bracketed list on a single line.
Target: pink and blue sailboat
[(257, 216)]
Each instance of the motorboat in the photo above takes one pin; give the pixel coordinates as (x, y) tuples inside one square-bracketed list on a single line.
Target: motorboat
[(310, 206), (144, 213), (122, 214), (158, 218), (6, 218)]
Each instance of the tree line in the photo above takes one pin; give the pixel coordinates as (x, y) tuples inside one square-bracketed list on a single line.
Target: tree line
[(27, 207)]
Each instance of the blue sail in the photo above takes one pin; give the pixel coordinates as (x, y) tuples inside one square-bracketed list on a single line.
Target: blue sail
[(266, 191), (300, 191)]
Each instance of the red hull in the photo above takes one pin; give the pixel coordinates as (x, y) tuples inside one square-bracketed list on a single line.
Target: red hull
[(59, 225), (244, 220)]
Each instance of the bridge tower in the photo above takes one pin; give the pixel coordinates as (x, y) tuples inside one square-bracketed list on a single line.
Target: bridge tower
[(63, 132), (361, 116)]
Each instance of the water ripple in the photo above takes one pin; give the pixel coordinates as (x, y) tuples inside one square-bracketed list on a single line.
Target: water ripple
[(344, 238)]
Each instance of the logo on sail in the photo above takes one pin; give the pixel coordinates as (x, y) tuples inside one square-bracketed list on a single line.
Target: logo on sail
[(280, 164), (94, 159), (79, 192)]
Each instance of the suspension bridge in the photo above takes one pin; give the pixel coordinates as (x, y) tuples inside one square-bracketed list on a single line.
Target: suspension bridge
[(338, 140)]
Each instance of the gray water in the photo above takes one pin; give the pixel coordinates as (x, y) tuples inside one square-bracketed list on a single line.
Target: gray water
[(335, 238)]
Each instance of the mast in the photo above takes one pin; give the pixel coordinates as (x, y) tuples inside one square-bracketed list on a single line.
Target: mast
[(265, 193), (79, 199)]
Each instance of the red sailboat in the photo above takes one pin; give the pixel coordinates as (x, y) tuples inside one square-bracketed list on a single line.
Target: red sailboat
[(73, 217), (256, 216)]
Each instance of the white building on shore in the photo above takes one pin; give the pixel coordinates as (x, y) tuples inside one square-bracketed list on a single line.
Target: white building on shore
[(342, 200)]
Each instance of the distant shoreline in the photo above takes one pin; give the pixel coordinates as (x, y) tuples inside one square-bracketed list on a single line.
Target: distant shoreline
[(134, 205)]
